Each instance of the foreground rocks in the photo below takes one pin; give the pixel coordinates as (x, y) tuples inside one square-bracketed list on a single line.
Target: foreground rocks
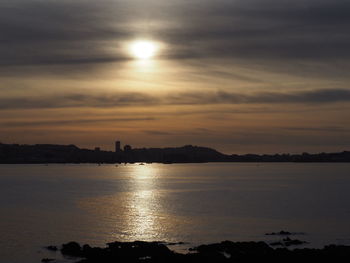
[(227, 251)]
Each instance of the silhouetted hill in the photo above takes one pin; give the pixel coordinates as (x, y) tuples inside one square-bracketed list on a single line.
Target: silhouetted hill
[(185, 154), (48, 153)]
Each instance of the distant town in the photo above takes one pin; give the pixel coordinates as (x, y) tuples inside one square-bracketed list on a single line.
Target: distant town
[(50, 153)]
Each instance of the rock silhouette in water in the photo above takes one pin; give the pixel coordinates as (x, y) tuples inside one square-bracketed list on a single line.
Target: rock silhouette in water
[(281, 233), (226, 251)]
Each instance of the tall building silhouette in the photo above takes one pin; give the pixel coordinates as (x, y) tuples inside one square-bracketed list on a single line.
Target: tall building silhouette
[(117, 146)]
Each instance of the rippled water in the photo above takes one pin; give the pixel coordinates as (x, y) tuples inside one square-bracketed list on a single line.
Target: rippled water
[(195, 203)]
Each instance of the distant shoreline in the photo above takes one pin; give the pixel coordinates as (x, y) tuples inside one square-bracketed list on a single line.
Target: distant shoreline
[(71, 154), (137, 163)]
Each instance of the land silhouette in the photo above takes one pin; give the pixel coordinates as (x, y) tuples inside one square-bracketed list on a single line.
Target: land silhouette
[(50, 153)]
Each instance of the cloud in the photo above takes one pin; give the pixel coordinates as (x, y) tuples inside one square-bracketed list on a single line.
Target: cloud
[(72, 122), (188, 98), (158, 133), (269, 29), (82, 32), (189, 132), (317, 129), (223, 97), (78, 100), (59, 32)]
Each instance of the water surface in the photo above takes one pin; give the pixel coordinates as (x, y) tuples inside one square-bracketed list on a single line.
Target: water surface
[(195, 203)]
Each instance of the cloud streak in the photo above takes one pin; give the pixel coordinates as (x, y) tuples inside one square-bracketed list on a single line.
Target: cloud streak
[(189, 98), (82, 32), (72, 122)]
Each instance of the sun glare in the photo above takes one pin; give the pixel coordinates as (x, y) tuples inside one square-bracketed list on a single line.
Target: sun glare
[(143, 49)]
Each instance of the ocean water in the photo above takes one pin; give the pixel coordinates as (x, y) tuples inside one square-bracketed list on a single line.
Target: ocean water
[(194, 203)]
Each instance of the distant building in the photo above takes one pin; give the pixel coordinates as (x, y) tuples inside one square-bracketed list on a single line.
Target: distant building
[(97, 149), (127, 148), (117, 146)]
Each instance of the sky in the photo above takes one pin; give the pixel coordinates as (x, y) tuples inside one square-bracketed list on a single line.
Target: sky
[(240, 76)]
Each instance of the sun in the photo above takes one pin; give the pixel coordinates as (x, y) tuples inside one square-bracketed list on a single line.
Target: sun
[(143, 49)]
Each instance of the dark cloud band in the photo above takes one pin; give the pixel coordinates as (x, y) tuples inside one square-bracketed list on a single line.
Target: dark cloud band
[(142, 99), (81, 32)]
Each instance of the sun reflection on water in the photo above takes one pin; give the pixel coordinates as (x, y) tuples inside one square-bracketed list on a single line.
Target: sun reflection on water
[(144, 204), (138, 208)]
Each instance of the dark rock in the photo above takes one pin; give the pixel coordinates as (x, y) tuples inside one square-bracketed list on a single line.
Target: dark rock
[(281, 233), (224, 252), (72, 249), (141, 249), (93, 253), (51, 248), (235, 251), (284, 233), (174, 243), (45, 260), (276, 244), (293, 242)]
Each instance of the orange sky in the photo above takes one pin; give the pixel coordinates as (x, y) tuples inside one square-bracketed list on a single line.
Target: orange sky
[(238, 76)]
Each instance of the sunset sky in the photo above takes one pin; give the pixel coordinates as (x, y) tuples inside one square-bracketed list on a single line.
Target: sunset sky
[(241, 76)]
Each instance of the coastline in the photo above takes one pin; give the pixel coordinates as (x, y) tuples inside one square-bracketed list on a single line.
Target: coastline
[(63, 154)]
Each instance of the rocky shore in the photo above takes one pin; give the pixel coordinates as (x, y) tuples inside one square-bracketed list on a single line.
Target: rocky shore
[(226, 251)]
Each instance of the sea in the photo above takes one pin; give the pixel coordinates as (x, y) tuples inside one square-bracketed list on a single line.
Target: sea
[(43, 205)]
